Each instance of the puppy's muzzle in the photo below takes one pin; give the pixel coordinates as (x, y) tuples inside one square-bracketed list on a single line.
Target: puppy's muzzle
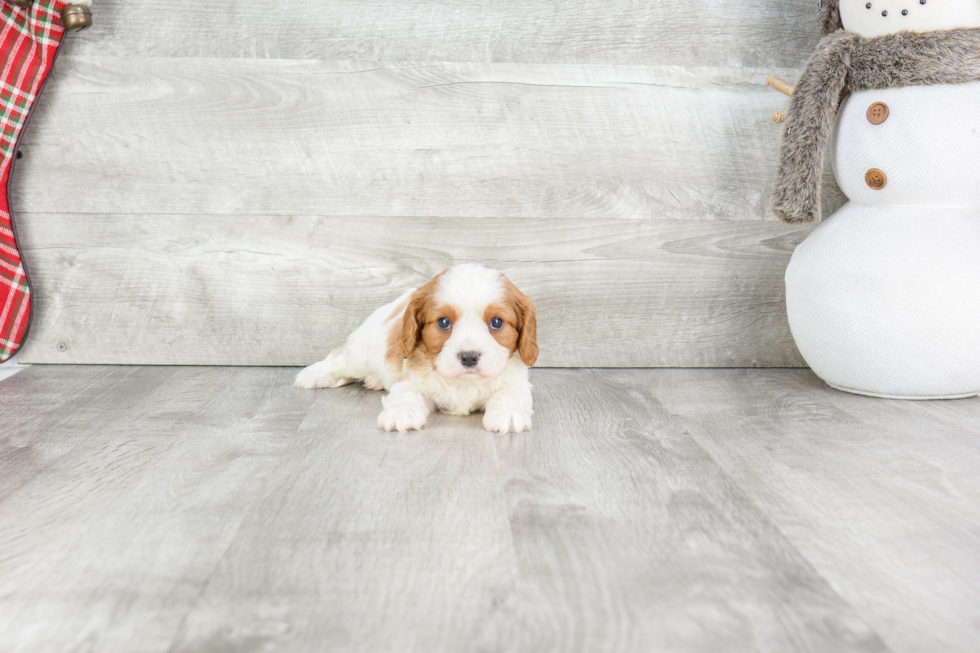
[(469, 359)]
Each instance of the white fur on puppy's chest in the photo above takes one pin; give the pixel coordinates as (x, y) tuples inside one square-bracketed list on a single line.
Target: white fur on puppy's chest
[(463, 398)]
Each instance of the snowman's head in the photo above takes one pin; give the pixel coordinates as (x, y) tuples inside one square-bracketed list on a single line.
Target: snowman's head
[(877, 17)]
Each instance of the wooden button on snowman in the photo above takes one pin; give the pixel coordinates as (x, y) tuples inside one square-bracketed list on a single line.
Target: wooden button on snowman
[(883, 297)]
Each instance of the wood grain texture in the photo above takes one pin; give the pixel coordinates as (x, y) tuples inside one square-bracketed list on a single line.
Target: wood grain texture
[(362, 139), (686, 510), (241, 185), (364, 541), (224, 510), (54, 410), (630, 537), (712, 32), (262, 290), (107, 547), (880, 496)]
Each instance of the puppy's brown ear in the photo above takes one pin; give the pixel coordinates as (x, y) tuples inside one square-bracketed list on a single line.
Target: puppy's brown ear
[(527, 339), (413, 320)]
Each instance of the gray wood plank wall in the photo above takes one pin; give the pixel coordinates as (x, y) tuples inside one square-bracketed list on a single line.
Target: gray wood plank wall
[(206, 184)]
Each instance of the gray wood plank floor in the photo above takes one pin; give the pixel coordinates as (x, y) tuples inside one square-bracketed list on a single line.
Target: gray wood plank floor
[(219, 509)]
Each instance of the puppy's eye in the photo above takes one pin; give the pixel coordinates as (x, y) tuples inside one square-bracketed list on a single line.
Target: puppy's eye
[(496, 323), (444, 323)]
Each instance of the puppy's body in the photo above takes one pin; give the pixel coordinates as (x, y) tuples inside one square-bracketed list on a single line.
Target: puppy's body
[(461, 343)]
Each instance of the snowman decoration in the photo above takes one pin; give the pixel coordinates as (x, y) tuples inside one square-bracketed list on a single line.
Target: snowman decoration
[(883, 297)]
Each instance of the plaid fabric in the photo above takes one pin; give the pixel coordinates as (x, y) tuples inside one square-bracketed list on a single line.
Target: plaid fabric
[(29, 40)]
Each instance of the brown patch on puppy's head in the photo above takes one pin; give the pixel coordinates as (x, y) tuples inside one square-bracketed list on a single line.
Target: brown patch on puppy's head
[(520, 329), (419, 329), (432, 337)]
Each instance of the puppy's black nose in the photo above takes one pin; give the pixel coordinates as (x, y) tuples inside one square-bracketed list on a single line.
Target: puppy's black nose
[(469, 358)]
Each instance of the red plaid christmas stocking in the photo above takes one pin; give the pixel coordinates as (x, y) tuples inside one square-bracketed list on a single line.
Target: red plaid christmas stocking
[(29, 41)]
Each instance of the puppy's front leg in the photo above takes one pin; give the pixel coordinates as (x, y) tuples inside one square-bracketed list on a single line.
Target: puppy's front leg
[(405, 409), (508, 411)]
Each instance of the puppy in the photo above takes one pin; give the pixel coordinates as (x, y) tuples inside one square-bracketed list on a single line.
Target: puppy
[(461, 343)]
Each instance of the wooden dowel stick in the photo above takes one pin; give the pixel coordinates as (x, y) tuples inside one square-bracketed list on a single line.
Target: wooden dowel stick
[(780, 85)]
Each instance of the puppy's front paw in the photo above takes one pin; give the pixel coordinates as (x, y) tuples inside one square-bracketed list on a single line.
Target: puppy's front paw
[(506, 420), (402, 418), (317, 376)]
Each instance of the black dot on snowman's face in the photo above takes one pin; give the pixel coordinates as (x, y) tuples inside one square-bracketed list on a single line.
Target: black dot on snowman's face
[(872, 18)]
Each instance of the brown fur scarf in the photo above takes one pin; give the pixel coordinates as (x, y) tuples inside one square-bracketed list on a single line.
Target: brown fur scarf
[(830, 16), (845, 62)]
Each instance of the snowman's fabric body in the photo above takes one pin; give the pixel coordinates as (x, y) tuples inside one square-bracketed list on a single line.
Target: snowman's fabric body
[(883, 297)]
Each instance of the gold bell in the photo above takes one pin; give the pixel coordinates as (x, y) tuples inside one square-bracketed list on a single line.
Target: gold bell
[(75, 17)]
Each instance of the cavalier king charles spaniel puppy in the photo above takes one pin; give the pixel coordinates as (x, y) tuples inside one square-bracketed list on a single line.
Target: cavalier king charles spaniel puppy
[(459, 344)]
